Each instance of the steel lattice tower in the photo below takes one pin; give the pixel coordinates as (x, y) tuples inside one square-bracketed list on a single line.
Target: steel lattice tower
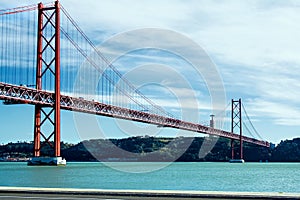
[(236, 124), (48, 17)]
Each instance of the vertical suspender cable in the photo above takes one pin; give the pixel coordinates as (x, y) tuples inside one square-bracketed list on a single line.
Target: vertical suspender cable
[(33, 59), (2, 50), (21, 56), (14, 51), (27, 53), (6, 52)]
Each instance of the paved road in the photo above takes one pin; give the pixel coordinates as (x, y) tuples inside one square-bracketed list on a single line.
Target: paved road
[(16, 196), (18, 193)]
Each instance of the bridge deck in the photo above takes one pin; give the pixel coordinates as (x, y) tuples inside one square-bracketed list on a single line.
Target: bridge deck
[(24, 95)]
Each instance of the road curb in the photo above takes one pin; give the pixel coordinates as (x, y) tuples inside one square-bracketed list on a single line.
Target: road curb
[(152, 193)]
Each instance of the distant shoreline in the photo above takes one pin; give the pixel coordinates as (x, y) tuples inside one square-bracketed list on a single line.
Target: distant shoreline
[(124, 161), (152, 149)]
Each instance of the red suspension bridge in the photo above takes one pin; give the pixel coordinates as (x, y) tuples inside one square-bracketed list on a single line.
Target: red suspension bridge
[(32, 71)]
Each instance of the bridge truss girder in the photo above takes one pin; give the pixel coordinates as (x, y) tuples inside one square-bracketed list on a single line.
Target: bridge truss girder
[(32, 96)]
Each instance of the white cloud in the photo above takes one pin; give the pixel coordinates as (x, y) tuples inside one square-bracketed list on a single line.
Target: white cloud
[(253, 36), (283, 114), (254, 43), (119, 15)]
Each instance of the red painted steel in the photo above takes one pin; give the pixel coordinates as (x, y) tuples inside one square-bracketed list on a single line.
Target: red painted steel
[(37, 131), (232, 149), (19, 10), (57, 81), (41, 51), (232, 129), (39, 47), (241, 130), (37, 113), (42, 99), (236, 123), (24, 95)]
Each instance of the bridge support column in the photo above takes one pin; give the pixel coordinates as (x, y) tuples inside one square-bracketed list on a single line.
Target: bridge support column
[(37, 112), (232, 149), (236, 127), (37, 131), (57, 81), (48, 64)]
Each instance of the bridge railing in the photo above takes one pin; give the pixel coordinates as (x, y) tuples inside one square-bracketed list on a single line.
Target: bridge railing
[(19, 94)]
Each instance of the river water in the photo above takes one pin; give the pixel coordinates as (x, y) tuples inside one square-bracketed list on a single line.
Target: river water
[(253, 177)]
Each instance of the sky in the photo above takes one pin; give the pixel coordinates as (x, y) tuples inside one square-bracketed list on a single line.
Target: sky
[(252, 44)]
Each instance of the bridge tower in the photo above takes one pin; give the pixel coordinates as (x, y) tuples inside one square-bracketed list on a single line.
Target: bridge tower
[(48, 62), (236, 127)]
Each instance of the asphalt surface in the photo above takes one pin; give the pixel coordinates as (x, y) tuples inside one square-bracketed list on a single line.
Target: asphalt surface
[(18, 193), (16, 196)]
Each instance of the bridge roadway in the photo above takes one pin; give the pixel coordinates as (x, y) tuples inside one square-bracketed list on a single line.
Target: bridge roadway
[(13, 94), (16, 193)]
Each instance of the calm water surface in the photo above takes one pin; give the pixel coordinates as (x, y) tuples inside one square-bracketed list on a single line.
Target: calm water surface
[(255, 177)]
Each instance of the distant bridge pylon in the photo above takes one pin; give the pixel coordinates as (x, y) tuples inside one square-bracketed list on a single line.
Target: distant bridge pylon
[(48, 80)]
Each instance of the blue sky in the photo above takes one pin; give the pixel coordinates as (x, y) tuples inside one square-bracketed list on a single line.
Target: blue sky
[(253, 44)]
